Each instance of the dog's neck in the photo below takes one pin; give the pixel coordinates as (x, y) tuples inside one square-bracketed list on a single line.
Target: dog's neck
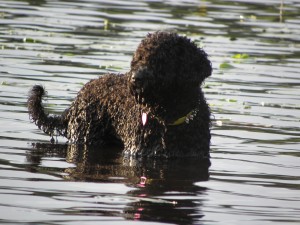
[(176, 106)]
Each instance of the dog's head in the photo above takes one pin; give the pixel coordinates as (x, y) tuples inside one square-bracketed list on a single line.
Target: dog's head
[(165, 64)]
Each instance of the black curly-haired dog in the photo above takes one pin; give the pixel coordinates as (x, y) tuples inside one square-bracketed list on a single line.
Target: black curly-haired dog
[(156, 109)]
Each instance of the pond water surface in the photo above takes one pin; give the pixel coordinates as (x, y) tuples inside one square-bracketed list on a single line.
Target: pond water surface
[(253, 93)]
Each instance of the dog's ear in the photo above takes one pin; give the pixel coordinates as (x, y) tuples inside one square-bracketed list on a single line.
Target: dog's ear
[(205, 69), (189, 62), (194, 66)]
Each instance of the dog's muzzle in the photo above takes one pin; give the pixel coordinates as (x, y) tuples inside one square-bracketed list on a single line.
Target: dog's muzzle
[(140, 80)]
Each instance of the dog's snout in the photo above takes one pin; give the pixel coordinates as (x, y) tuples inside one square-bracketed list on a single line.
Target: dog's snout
[(138, 75), (135, 76), (141, 74)]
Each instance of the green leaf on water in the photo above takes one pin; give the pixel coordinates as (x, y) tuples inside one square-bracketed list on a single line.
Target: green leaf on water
[(228, 100), (240, 56), (102, 67), (106, 24), (4, 83), (29, 40), (51, 105), (68, 54), (110, 67), (226, 65)]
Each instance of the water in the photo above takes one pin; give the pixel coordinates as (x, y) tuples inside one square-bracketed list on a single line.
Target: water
[(253, 93)]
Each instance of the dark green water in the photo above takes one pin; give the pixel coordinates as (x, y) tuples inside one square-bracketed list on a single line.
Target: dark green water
[(253, 93)]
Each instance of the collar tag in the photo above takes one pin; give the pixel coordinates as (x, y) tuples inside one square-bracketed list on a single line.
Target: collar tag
[(144, 118)]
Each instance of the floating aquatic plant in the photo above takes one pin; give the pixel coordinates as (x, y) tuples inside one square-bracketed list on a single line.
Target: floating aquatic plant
[(240, 56), (106, 24), (29, 40), (226, 65), (110, 67), (228, 100), (69, 54)]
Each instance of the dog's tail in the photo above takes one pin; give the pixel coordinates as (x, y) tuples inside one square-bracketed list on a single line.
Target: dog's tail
[(50, 124)]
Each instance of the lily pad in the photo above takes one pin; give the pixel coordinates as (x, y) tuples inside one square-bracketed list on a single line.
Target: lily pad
[(226, 65), (240, 56)]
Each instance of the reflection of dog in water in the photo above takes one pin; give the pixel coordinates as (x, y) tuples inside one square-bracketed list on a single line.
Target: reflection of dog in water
[(156, 109), (171, 179), (101, 164)]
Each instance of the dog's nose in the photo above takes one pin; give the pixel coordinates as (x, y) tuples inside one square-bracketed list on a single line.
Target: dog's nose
[(135, 76), (138, 75), (141, 74)]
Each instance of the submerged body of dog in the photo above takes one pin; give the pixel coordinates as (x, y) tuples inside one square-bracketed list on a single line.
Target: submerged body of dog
[(156, 109)]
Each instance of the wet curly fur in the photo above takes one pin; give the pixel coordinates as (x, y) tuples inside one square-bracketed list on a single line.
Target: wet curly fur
[(162, 86)]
